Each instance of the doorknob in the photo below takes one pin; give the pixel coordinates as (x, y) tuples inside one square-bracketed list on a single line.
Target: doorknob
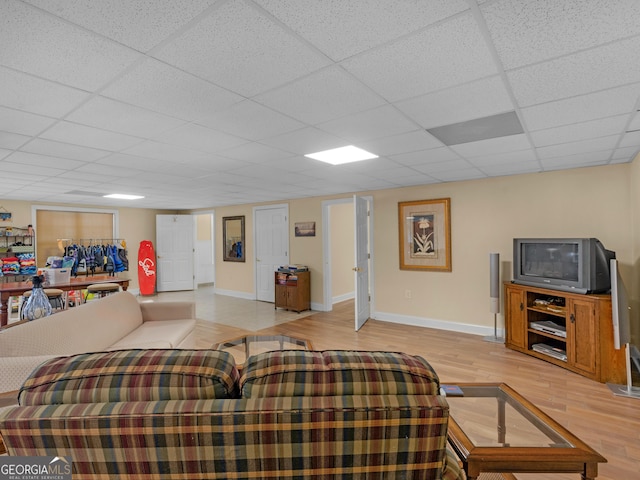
[(356, 269)]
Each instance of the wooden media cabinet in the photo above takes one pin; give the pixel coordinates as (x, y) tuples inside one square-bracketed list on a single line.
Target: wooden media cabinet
[(570, 330)]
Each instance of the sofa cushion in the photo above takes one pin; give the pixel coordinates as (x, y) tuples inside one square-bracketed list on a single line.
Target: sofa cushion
[(90, 327), (132, 375), (157, 334), (336, 372)]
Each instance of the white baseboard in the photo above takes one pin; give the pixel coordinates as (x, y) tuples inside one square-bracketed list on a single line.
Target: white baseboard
[(438, 324), (343, 297)]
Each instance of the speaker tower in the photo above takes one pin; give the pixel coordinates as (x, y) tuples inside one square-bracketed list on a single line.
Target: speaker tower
[(494, 295)]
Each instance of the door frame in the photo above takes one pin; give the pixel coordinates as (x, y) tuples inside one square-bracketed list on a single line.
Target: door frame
[(255, 240), (327, 304)]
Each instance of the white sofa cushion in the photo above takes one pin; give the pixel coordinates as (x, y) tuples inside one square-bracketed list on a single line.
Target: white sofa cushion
[(160, 334), (91, 327)]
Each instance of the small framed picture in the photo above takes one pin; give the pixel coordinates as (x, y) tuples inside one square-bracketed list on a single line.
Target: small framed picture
[(305, 229)]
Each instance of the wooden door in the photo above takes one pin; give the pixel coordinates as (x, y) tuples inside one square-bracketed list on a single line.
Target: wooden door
[(582, 335), (515, 318)]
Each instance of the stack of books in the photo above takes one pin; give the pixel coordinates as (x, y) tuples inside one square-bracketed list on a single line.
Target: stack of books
[(292, 268)]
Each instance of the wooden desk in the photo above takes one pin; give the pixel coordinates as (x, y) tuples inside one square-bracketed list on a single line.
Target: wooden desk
[(14, 289)]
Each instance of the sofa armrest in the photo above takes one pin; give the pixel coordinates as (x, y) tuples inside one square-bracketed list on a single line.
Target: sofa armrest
[(154, 311), (15, 370)]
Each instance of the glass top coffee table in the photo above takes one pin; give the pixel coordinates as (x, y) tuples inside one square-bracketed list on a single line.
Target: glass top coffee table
[(492, 428), (243, 347)]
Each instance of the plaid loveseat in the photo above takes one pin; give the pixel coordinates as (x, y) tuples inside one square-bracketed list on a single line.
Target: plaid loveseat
[(187, 414)]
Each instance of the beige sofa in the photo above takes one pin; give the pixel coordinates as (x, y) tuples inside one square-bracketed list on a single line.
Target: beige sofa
[(115, 322)]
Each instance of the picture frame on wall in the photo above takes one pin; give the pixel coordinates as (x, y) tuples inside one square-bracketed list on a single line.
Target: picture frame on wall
[(425, 234), (305, 229)]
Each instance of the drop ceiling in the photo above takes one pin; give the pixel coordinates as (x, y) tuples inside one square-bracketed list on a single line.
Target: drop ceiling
[(204, 103)]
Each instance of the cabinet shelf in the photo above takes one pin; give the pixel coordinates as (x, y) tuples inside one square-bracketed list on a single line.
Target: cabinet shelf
[(576, 328)]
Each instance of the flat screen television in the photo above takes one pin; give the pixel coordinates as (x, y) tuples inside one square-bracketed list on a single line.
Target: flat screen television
[(578, 265)]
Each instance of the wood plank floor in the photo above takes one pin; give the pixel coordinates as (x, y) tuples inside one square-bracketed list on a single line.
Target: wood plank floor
[(609, 424)]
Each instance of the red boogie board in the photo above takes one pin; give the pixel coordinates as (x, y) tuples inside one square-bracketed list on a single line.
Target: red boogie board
[(146, 268)]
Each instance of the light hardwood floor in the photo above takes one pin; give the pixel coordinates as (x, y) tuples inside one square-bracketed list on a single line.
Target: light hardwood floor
[(609, 424)]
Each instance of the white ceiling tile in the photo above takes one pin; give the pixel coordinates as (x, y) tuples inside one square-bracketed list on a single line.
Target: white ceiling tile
[(581, 147), (234, 43), (526, 32), (256, 152), (4, 153), (36, 95), (635, 123), (163, 151), (626, 154), (422, 157), (447, 54), (251, 120), (15, 121), (499, 159), (82, 135), (458, 174), (582, 108), (89, 61), (141, 24), (576, 161), (515, 168), (511, 143), (325, 95), (13, 164), (305, 141), (57, 149), (631, 139), (579, 131), (12, 140), (341, 29), (162, 88), (197, 137), (377, 122), (44, 161), (473, 100), (589, 71), (120, 117), (403, 143)]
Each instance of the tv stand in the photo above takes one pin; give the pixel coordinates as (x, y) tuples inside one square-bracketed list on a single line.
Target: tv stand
[(570, 330)]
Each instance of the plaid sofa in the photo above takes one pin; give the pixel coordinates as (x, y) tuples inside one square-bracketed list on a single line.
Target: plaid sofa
[(187, 414)]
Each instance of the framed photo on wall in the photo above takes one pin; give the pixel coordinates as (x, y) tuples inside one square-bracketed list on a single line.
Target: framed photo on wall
[(425, 234)]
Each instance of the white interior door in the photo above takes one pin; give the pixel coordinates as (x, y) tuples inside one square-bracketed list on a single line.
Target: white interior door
[(174, 253), (361, 269), (272, 247)]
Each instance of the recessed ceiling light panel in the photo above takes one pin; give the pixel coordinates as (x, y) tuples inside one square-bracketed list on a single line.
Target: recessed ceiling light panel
[(123, 196), (339, 156)]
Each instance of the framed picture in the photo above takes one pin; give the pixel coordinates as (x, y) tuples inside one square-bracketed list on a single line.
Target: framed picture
[(425, 234), (305, 229), (233, 239)]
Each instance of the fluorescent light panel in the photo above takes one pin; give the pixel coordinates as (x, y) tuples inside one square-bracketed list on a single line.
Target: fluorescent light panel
[(338, 156), (123, 196)]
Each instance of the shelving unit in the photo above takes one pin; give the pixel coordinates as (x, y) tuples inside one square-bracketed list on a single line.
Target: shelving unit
[(15, 241), (293, 290), (569, 330)]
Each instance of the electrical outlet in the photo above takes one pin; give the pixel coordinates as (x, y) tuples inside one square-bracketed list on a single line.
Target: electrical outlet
[(407, 294)]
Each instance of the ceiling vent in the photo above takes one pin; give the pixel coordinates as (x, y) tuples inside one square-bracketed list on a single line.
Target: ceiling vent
[(501, 125)]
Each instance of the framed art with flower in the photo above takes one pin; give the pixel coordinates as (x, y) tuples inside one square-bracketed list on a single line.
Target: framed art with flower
[(425, 234)]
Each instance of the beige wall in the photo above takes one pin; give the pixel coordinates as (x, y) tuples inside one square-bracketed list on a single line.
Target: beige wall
[(486, 215), (342, 249)]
